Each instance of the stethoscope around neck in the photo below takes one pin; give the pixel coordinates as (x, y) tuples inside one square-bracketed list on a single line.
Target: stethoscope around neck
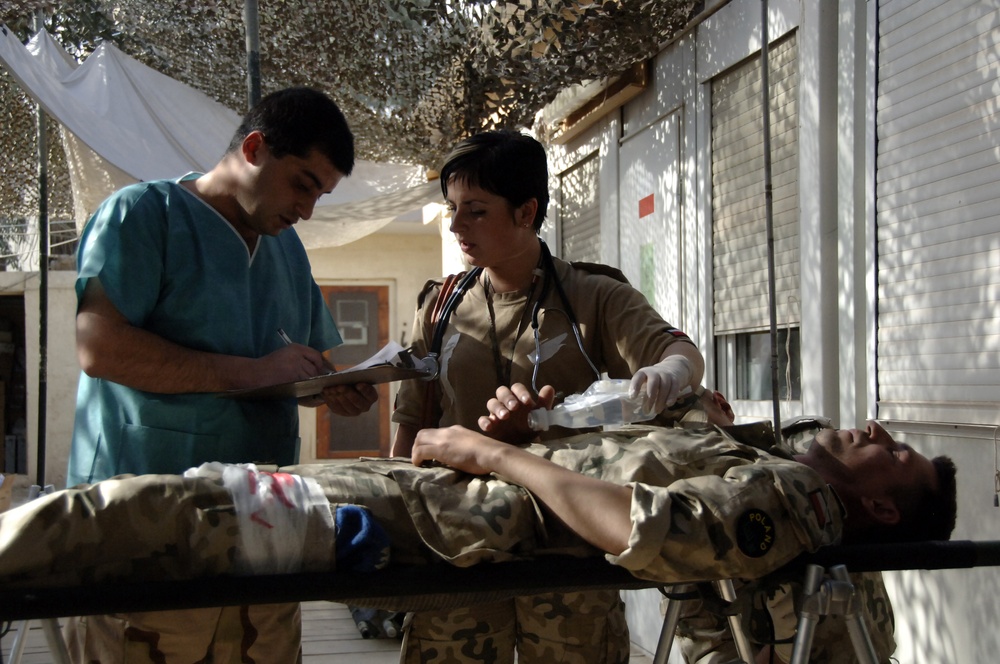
[(549, 277)]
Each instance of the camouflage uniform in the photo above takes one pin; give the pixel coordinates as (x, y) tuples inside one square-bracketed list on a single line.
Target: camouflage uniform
[(769, 605), (704, 507), (620, 333), (274, 632)]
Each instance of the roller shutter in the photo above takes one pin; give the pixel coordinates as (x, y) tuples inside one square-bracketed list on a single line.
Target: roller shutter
[(580, 218), (938, 211), (739, 237)]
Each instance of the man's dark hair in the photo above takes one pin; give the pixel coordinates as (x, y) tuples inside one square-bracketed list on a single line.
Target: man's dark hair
[(925, 513), (507, 163), (295, 121)]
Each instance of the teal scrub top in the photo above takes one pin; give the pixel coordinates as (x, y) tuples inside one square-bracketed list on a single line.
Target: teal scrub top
[(175, 267)]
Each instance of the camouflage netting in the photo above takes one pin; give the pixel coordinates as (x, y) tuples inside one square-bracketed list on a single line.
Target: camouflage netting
[(413, 76)]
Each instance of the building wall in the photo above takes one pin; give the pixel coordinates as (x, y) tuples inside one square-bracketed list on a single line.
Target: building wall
[(62, 370), (940, 615)]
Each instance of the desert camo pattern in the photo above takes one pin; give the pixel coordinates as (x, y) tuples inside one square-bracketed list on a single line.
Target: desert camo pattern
[(258, 634), (489, 633), (693, 492), (145, 527)]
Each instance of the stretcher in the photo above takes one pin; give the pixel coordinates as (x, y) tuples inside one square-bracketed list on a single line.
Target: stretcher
[(442, 586)]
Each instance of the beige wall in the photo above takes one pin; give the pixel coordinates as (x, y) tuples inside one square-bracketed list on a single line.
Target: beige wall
[(62, 369)]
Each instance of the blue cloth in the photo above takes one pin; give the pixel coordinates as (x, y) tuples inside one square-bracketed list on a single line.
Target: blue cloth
[(175, 267), (362, 544)]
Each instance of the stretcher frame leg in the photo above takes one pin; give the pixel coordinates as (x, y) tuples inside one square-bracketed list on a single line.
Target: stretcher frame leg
[(671, 617), (727, 591), (53, 637), (823, 596)]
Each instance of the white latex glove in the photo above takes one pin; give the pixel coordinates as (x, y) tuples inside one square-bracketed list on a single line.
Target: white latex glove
[(661, 383)]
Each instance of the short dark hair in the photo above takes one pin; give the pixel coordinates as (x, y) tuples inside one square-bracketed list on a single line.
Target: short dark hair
[(295, 121), (926, 513), (507, 163)]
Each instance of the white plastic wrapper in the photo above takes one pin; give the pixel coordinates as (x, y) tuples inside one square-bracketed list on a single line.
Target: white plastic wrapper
[(274, 511), (606, 403)]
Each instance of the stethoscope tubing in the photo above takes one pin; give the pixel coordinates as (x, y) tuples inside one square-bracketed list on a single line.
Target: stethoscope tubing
[(549, 276)]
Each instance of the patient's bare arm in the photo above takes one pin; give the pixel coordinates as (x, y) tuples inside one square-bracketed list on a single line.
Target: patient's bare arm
[(596, 510)]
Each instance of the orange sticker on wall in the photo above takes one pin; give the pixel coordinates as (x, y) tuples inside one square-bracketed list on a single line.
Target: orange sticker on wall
[(646, 206)]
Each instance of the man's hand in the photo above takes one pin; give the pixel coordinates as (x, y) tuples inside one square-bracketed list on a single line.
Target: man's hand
[(508, 412), (297, 362), (289, 364), (350, 400), (457, 447)]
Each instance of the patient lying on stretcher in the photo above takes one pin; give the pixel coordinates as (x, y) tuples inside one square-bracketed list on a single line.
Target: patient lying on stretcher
[(667, 503)]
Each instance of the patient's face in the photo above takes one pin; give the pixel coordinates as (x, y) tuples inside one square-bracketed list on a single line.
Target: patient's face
[(870, 460)]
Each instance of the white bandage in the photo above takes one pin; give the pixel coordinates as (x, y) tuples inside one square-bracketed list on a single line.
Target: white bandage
[(274, 511)]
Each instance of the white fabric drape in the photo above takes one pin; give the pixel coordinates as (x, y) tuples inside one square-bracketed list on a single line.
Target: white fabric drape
[(125, 122)]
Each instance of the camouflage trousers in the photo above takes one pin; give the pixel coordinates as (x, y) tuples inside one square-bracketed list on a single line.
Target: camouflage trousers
[(259, 634), (575, 628)]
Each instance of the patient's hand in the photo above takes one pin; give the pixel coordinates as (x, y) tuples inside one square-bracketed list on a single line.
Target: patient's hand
[(507, 420), (457, 447)]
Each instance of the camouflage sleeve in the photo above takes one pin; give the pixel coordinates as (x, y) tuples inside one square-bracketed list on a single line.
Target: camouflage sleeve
[(749, 522)]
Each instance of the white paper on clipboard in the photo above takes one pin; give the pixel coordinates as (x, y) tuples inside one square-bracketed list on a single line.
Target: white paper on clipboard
[(391, 363)]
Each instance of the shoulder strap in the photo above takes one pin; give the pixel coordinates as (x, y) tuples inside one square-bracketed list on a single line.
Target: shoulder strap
[(446, 288), (451, 292)]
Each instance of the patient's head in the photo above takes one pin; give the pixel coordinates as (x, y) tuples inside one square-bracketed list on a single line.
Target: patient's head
[(892, 492)]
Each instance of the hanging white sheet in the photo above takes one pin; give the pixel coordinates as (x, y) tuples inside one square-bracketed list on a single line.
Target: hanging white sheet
[(125, 122)]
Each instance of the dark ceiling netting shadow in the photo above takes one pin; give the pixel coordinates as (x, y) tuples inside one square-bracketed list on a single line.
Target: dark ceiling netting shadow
[(413, 76)]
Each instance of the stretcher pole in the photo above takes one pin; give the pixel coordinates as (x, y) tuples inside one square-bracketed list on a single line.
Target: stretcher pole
[(727, 591), (772, 307)]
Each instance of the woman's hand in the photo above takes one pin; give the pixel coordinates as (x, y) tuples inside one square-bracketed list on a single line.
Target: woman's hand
[(507, 420), (660, 384)]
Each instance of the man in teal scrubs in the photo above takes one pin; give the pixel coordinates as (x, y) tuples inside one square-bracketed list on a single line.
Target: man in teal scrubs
[(182, 289)]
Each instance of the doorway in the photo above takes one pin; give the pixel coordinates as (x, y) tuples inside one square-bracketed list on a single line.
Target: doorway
[(13, 386), (362, 316)]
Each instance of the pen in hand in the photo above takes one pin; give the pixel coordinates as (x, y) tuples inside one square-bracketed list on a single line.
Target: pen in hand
[(288, 342)]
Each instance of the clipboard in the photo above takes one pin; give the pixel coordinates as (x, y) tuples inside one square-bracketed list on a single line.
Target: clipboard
[(379, 373)]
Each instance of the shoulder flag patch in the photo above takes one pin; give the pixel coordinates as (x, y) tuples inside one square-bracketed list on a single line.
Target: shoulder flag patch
[(820, 508), (678, 333)]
